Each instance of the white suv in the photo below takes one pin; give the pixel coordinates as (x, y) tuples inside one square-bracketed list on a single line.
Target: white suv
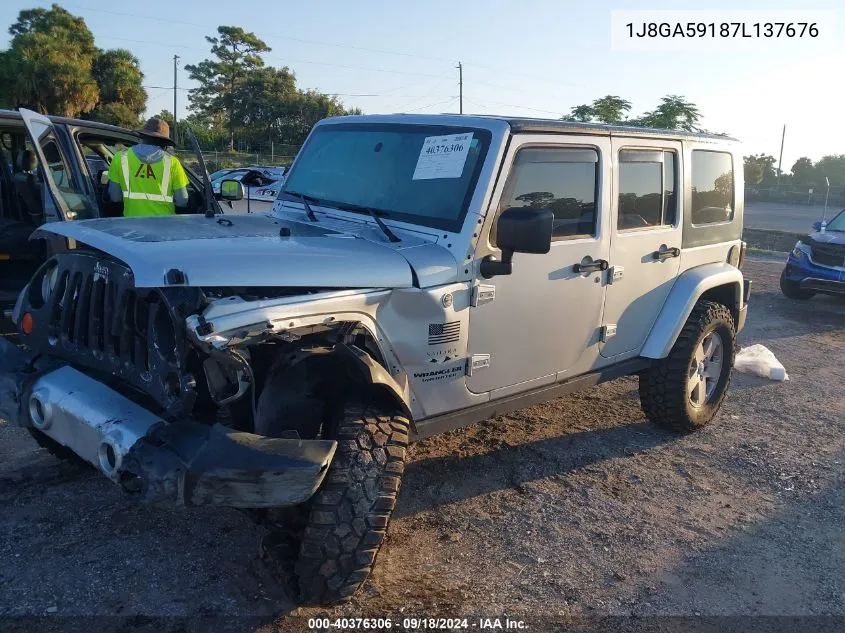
[(416, 274)]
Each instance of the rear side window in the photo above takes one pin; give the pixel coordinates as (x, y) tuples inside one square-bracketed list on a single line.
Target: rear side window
[(646, 189), (712, 187), (562, 180)]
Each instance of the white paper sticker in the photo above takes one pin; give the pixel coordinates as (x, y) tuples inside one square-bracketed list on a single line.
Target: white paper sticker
[(443, 156)]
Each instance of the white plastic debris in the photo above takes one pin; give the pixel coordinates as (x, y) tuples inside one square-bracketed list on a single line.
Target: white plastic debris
[(759, 360)]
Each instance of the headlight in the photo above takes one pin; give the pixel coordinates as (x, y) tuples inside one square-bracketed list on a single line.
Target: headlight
[(801, 249)]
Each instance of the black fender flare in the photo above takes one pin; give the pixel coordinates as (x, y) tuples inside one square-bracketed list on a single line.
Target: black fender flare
[(375, 374), (364, 365)]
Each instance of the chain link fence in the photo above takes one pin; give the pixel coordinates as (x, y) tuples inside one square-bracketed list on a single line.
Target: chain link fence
[(797, 195), (215, 160)]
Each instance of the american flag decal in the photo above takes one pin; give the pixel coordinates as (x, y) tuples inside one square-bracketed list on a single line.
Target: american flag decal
[(440, 333)]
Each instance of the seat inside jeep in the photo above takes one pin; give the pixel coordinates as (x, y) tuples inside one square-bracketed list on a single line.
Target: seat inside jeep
[(21, 212)]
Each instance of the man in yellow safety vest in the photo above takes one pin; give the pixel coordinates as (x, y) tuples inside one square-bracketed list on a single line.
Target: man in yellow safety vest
[(148, 179)]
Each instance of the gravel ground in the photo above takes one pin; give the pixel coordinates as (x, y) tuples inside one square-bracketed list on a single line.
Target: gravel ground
[(578, 508)]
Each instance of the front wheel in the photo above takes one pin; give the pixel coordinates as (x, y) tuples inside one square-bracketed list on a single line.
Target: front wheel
[(685, 390), (792, 290), (349, 514)]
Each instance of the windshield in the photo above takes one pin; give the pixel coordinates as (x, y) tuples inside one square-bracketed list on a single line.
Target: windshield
[(415, 173), (837, 223)]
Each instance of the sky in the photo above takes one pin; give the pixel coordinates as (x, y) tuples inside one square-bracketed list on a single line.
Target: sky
[(527, 58)]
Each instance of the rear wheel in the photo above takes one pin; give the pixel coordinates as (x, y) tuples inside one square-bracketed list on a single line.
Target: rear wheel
[(792, 290), (685, 390)]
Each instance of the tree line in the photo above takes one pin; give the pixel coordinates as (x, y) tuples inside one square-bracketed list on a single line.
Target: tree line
[(53, 66), (761, 171), (673, 112)]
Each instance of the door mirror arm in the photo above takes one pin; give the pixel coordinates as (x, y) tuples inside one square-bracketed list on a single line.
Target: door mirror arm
[(491, 267), (519, 230)]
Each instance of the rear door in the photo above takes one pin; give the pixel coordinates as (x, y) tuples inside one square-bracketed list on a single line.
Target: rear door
[(67, 199), (645, 242)]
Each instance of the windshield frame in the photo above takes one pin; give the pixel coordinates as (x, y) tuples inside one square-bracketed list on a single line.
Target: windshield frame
[(454, 225)]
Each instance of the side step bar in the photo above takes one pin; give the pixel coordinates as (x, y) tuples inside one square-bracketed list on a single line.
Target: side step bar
[(485, 411)]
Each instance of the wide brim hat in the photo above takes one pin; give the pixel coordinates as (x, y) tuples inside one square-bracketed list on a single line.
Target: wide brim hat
[(156, 129)]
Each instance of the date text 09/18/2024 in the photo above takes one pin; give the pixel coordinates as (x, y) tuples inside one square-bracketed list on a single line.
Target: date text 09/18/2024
[(417, 624)]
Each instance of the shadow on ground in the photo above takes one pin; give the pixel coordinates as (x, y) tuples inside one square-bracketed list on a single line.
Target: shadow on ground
[(512, 466)]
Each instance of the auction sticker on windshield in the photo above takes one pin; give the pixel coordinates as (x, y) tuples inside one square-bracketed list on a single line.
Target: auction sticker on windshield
[(443, 156)]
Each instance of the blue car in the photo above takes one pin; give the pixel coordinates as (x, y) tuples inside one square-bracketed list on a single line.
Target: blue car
[(817, 263)]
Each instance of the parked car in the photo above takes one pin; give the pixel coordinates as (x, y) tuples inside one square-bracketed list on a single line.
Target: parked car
[(817, 262), (417, 274), (261, 186), (61, 186)]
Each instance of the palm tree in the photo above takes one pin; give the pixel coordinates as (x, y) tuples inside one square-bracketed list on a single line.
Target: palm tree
[(674, 112), (581, 114), (610, 109)]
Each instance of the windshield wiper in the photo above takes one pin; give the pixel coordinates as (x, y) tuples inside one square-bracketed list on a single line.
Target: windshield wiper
[(304, 200), (346, 206)]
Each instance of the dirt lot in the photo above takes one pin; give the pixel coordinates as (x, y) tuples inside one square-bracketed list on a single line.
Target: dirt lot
[(577, 508)]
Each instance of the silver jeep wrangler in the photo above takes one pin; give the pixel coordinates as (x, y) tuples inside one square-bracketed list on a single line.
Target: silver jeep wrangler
[(416, 274)]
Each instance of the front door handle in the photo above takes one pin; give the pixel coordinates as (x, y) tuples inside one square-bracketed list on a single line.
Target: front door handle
[(592, 267), (664, 253)]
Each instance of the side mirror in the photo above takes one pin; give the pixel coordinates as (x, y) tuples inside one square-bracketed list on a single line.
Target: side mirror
[(519, 230), (231, 190), (817, 226)]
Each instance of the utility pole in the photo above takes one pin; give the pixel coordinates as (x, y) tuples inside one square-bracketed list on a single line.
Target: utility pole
[(782, 138), (460, 68), (175, 134)]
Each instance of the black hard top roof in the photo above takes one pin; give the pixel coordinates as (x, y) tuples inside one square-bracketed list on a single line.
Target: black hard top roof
[(526, 125)]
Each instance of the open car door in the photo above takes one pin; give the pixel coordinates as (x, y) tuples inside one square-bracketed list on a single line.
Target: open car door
[(212, 206), (67, 199)]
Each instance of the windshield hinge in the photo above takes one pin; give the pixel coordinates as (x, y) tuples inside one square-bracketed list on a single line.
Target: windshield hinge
[(483, 293)]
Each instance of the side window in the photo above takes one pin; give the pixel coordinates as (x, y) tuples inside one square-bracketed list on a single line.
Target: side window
[(63, 178), (646, 189), (563, 180), (712, 179), (57, 166)]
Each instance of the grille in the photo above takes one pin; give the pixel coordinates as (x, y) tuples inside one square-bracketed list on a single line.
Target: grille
[(88, 312), (829, 255)]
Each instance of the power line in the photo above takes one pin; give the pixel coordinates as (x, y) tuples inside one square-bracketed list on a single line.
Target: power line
[(364, 68), (328, 94), (332, 44), (450, 100), (266, 35), (511, 105)]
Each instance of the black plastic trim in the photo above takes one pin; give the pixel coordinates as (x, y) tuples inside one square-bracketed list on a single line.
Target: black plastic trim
[(458, 419)]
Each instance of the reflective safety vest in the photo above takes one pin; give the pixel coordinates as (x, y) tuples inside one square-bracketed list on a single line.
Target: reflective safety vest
[(146, 186)]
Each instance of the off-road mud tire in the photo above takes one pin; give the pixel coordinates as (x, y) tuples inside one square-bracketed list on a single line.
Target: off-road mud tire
[(791, 290), (349, 514), (663, 386)]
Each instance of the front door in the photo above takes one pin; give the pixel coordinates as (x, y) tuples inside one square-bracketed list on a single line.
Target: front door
[(67, 199), (543, 320), (646, 240)]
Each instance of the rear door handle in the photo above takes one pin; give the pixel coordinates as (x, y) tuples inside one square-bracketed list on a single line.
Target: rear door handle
[(664, 253), (594, 267)]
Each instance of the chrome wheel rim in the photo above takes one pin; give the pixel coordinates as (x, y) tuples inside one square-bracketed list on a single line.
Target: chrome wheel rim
[(705, 369)]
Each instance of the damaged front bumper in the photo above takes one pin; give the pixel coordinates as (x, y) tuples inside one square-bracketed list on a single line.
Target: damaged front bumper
[(180, 463)]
